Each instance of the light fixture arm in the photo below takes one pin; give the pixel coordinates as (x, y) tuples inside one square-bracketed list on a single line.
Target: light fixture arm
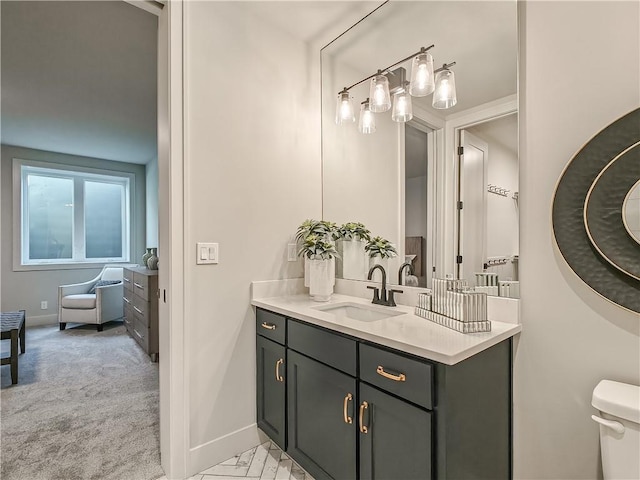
[(445, 66), (379, 72)]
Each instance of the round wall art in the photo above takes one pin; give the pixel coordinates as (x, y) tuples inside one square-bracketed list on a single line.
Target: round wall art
[(588, 222)]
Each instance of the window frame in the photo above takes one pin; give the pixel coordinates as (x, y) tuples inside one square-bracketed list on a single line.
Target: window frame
[(79, 174)]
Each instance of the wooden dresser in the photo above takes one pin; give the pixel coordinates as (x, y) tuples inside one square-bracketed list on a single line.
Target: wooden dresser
[(141, 307)]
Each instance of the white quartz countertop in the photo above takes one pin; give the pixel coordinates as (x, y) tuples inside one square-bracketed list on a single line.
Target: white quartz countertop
[(406, 332)]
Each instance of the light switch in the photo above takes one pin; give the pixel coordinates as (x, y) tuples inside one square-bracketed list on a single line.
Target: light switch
[(206, 253)]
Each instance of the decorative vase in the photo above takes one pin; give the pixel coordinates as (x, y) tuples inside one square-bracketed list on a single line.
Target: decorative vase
[(322, 278), (146, 256), (354, 260), (152, 261)]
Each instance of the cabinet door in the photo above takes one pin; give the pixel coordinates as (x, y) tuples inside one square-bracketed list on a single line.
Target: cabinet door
[(397, 442), (322, 425), (271, 389)]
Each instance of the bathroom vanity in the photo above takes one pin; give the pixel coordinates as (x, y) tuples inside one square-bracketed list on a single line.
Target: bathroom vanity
[(393, 398)]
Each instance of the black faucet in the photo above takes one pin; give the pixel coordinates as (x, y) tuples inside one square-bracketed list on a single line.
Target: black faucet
[(380, 298), (402, 267)]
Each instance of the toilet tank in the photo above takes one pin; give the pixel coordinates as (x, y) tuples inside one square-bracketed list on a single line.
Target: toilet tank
[(619, 419)]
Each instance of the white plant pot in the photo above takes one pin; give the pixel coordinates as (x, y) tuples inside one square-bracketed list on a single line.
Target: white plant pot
[(306, 271), (355, 263), (322, 278), (379, 261)]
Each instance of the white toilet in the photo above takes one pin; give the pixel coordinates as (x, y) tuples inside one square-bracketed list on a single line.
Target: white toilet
[(619, 405)]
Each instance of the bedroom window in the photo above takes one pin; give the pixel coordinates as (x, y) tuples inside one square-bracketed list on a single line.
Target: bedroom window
[(72, 216)]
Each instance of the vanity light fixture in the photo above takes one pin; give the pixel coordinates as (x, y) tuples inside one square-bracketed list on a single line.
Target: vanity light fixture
[(344, 108), (387, 84), (402, 109), (367, 122), (444, 95)]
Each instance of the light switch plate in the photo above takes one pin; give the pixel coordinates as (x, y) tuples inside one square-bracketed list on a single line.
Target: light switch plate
[(207, 253)]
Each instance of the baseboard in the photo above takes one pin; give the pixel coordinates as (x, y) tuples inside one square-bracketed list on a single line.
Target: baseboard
[(211, 453), (36, 321)]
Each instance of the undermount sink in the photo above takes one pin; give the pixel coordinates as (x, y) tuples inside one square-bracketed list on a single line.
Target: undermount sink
[(358, 311)]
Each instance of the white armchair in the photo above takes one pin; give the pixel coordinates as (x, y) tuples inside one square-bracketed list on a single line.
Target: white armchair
[(77, 305)]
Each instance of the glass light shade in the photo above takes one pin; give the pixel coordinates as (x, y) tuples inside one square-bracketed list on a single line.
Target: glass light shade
[(367, 123), (402, 109), (379, 98), (344, 109), (444, 95), (422, 83)]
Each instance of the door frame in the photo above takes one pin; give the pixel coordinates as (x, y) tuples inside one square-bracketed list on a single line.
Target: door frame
[(173, 374), (448, 194)]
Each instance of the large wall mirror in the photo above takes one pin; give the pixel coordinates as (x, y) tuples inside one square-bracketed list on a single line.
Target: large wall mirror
[(406, 181)]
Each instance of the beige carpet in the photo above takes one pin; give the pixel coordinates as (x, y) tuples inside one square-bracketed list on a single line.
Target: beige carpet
[(85, 407)]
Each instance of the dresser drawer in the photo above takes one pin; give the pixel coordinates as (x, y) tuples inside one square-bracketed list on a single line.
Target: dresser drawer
[(140, 334), (141, 309), (403, 376), (330, 348), (271, 325), (127, 297), (141, 285), (127, 279), (128, 318)]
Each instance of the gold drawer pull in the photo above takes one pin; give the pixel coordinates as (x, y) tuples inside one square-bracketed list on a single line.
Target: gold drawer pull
[(126, 299), (138, 285), (268, 326), (398, 378), (363, 427), (347, 418), (278, 377), (138, 310)]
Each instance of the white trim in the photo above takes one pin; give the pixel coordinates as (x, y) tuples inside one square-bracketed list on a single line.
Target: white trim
[(174, 381), (40, 320), (220, 449)]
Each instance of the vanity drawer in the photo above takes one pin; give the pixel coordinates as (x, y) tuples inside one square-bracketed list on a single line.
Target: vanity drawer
[(332, 349), (271, 325), (403, 376), (141, 285)]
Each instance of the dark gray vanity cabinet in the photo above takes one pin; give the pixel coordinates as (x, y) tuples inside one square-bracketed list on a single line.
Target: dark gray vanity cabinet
[(396, 441), (353, 409), (322, 430), (270, 380)]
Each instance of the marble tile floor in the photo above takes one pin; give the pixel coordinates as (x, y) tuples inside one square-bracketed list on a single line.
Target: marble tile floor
[(264, 462)]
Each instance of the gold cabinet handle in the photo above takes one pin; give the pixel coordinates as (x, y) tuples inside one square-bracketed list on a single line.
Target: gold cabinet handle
[(398, 378), (278, 377), (347, 418), (268, 326), (363, 427)]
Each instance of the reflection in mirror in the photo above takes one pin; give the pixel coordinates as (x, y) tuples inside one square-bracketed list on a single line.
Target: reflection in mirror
[(401, 180), (631, 212)]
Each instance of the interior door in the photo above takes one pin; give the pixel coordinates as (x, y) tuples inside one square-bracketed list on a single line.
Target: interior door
[(472, 197)]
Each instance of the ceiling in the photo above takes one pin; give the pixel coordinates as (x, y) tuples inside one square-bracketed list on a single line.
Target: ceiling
[(480, 36), (80, 78)]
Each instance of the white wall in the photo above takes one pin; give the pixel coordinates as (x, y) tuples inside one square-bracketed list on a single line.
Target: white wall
[(571, 337), (151, 179), (252, 175)]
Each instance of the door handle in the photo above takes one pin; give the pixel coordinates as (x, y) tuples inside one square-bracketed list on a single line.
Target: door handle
[(398, 378), (363, 427), (613, 425), (278, 377), (347, 418)]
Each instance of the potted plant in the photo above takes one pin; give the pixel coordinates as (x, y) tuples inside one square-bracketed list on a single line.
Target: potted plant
[(352, 238), (380, 250), (318, 249)]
